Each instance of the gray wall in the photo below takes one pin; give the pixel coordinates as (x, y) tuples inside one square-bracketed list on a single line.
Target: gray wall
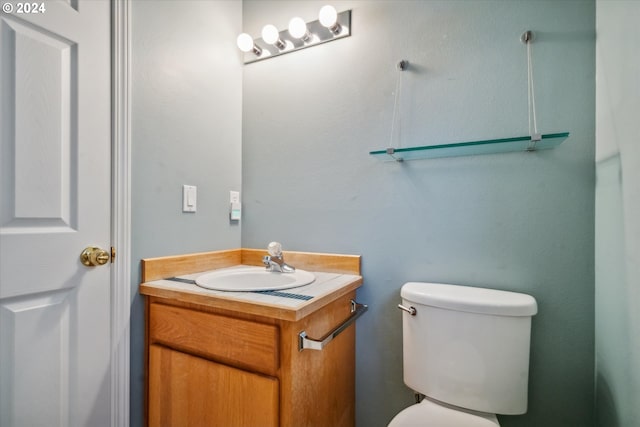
[(617, 263), (186, 113), (520, 221)]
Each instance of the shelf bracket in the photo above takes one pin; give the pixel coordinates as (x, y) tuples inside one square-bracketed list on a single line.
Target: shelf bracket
[(391, 152), (535, 138)]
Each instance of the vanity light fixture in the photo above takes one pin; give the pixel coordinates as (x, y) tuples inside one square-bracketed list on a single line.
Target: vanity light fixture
[(330, 26)]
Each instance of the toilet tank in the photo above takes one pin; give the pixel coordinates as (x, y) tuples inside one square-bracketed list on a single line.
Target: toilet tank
[(467, 346)]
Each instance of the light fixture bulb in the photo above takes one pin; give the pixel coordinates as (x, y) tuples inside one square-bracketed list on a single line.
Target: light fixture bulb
[(270, 34), (245, 42), (298, 28), (328, 16)]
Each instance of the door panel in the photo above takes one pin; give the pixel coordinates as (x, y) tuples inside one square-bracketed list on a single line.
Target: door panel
[(38, 181), (55, 188), (36, 343)]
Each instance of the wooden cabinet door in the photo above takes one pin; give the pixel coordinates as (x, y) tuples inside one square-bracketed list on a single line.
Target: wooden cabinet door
[(186, 390)]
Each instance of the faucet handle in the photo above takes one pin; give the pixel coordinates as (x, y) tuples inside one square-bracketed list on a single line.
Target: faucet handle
[(275, 249)]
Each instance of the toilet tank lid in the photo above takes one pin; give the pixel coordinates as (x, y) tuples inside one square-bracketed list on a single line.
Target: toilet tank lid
[(470, 299)]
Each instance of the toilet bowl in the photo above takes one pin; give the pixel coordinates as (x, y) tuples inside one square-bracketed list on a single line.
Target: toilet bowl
[(467, 350), (429, 413)]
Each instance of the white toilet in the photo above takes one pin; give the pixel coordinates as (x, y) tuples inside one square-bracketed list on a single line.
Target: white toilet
[(467, 351)]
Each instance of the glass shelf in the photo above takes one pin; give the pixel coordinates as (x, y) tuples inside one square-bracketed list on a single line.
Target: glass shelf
[(491, 146)]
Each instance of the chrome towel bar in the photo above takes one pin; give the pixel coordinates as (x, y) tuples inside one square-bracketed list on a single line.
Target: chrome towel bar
[(305, 343)]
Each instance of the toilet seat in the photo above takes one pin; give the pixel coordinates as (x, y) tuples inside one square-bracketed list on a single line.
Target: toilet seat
[(429, 413)]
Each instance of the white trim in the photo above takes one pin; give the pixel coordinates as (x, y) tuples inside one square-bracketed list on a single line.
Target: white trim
[(121, 212)]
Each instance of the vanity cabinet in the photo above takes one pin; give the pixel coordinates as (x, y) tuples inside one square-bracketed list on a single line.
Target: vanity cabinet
[(210, 366)]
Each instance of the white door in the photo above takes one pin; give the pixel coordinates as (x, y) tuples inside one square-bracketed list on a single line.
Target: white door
[(55, 188)]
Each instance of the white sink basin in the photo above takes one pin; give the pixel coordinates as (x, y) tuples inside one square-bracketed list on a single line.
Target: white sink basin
[(253, 279)]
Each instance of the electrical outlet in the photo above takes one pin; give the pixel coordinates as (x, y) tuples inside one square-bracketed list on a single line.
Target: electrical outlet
[(235, 207)]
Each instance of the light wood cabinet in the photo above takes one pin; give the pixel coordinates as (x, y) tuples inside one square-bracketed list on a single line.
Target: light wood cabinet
[(212, 367), (186, 390)]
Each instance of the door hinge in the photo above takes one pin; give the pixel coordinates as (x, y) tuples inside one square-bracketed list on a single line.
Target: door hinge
[(113, 254)]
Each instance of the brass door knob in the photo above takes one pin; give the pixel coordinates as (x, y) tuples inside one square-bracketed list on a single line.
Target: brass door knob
[(93, 256)]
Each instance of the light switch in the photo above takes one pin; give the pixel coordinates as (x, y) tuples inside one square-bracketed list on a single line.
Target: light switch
[(189, 198)]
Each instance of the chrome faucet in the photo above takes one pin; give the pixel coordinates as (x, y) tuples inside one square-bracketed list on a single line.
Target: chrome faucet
[(275, 261)]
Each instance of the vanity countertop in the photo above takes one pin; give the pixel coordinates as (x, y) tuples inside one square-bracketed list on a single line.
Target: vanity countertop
[(289, 304)]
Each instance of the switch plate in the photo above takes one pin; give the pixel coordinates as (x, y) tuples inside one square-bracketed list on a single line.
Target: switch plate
[(234, 197), (189, 198)]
